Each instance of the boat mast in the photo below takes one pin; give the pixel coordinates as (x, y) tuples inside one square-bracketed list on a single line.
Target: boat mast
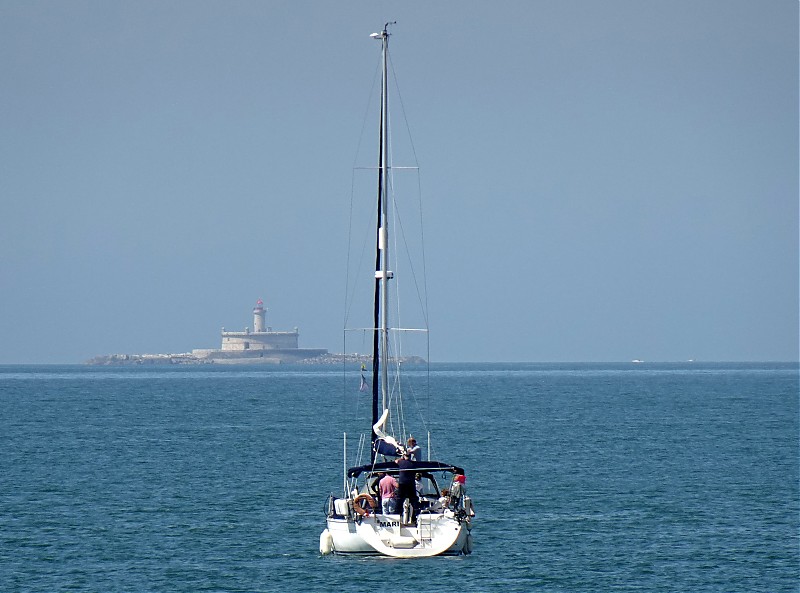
[(380, 340)]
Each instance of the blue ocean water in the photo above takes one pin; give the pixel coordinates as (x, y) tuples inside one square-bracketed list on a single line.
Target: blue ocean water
[(585, 477)]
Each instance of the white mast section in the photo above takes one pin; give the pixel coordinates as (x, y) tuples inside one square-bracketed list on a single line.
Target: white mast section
[(383, 239)]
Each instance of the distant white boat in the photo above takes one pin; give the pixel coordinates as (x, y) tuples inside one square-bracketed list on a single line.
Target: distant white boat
[(637, 361)]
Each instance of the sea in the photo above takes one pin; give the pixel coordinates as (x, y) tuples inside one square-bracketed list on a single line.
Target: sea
[(585, 477)]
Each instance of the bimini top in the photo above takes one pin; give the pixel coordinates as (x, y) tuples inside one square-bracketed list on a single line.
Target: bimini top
[(390, 467)]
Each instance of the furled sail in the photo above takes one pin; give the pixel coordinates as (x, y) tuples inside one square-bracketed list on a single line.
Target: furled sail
[(385, 444)]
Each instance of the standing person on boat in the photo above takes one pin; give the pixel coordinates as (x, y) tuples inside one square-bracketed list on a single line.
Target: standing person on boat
[(388, 486), (406, 485), (413, 449), (458, 489)]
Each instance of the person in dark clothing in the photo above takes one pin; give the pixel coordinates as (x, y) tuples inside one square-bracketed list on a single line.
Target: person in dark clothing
[(406, 487)]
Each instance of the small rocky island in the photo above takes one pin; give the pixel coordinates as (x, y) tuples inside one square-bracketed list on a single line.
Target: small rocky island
[(189, 358), (262, 345)]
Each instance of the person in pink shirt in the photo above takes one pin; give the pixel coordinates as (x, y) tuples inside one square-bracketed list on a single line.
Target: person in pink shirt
[(387, 486)]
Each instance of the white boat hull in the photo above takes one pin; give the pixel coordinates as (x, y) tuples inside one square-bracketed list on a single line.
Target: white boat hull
[(433, 535)]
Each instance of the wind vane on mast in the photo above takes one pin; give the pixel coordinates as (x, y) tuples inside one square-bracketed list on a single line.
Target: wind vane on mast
[(385, 32)]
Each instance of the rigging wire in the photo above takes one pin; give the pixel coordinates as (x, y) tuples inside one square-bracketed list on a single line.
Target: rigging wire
[(348, 296), (424, 302), (395, 389), (422, 294)]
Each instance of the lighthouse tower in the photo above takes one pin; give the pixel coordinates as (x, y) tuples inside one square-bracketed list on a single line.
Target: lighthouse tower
[(258, 317), (262, 343)]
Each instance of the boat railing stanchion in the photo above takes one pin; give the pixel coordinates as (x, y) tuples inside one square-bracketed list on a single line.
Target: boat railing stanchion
[(429, 444), (344, 468)]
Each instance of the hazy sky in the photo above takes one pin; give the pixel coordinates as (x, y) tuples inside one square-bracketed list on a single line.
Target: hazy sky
[(603, 181)]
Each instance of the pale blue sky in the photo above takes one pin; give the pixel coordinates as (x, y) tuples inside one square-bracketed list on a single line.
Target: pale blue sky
[(603, 181)]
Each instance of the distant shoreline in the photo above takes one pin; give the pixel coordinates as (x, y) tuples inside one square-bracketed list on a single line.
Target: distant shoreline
[(191, 359)]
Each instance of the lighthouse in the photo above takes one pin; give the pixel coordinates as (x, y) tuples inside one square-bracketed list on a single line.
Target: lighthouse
[(263, 344), (258, 317), (262, 338)]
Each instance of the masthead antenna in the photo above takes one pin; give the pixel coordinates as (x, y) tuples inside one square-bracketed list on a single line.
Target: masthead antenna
[(385, 33)]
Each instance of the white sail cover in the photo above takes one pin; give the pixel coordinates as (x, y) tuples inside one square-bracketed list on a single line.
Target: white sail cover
[(378, 428)]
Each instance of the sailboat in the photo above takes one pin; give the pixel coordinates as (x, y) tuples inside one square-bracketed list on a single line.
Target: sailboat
[(429, 513)]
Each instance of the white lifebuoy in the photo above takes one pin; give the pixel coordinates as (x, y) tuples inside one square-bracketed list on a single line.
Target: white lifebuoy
[(370, 501), (325, 542)]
